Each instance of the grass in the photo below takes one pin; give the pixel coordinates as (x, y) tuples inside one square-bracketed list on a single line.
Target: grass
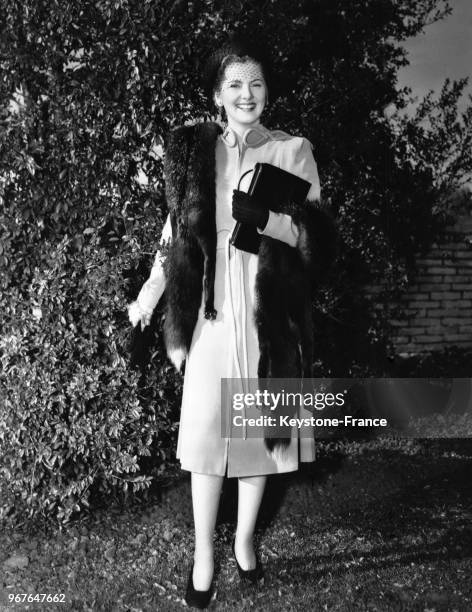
[(368, 526)]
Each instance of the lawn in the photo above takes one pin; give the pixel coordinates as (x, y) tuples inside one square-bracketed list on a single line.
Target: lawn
[(368, 526)]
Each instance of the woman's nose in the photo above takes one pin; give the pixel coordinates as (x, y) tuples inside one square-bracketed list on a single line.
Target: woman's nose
[(246, 91)]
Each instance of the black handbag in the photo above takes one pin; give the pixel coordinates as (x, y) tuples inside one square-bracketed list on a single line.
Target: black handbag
[(271, 187)]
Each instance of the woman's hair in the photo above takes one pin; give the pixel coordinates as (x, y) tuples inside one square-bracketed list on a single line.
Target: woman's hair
[(237, 49)]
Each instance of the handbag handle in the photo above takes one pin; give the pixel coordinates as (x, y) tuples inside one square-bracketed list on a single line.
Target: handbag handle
[(243, 175)]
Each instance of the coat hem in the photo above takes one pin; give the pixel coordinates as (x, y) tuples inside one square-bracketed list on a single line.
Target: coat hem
[(240, 475)]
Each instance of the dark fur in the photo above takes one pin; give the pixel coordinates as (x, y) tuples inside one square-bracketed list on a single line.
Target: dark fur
[(189, 169), (286, 279)]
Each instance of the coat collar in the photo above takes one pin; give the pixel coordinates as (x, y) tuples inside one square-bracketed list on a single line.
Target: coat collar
[(252, 137)]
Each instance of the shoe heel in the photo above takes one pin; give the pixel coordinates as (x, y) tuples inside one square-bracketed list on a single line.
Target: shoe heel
[(253, 575), (194, 598)]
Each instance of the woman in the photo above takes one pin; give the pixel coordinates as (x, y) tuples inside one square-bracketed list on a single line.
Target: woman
[(224, 304)]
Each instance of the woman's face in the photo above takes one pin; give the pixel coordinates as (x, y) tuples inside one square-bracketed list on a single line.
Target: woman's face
[(243, 93)]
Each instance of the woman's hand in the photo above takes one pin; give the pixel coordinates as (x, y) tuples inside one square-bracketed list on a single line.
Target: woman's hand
[(248, 210), (137, 315)]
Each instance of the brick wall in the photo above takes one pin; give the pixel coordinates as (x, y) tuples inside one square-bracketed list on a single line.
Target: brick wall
[(439, 304)]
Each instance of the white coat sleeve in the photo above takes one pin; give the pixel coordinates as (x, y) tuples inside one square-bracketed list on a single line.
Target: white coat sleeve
[(298, 159), (280, 227), (152, 290), (301, 162)]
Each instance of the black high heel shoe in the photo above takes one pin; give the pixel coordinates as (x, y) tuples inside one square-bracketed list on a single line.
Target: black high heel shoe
[(252, 575), (194, 598)]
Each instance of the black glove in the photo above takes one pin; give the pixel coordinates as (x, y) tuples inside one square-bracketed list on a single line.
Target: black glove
[(248, 210)]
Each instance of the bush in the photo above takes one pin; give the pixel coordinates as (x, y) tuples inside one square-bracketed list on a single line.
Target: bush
[(450, 362), (75, 417)]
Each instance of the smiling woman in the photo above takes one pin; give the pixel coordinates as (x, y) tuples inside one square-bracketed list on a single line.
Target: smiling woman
[(241, 91), (224, 304)]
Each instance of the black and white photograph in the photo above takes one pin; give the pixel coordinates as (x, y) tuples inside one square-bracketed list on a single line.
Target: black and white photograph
[(236, 305)]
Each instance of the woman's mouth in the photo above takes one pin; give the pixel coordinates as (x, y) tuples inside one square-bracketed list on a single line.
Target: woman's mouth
[(246, 107)]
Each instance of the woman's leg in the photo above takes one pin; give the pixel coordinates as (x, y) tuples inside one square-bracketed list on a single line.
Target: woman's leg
[(250, 492), (206, 490)]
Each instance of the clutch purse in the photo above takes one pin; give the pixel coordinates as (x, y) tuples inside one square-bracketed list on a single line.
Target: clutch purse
[(271, 187)]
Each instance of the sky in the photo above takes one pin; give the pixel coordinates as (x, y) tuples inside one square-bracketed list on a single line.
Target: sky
[(443, 50)]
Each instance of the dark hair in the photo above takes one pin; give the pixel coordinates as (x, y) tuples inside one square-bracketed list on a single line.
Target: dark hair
[(237, 48)]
